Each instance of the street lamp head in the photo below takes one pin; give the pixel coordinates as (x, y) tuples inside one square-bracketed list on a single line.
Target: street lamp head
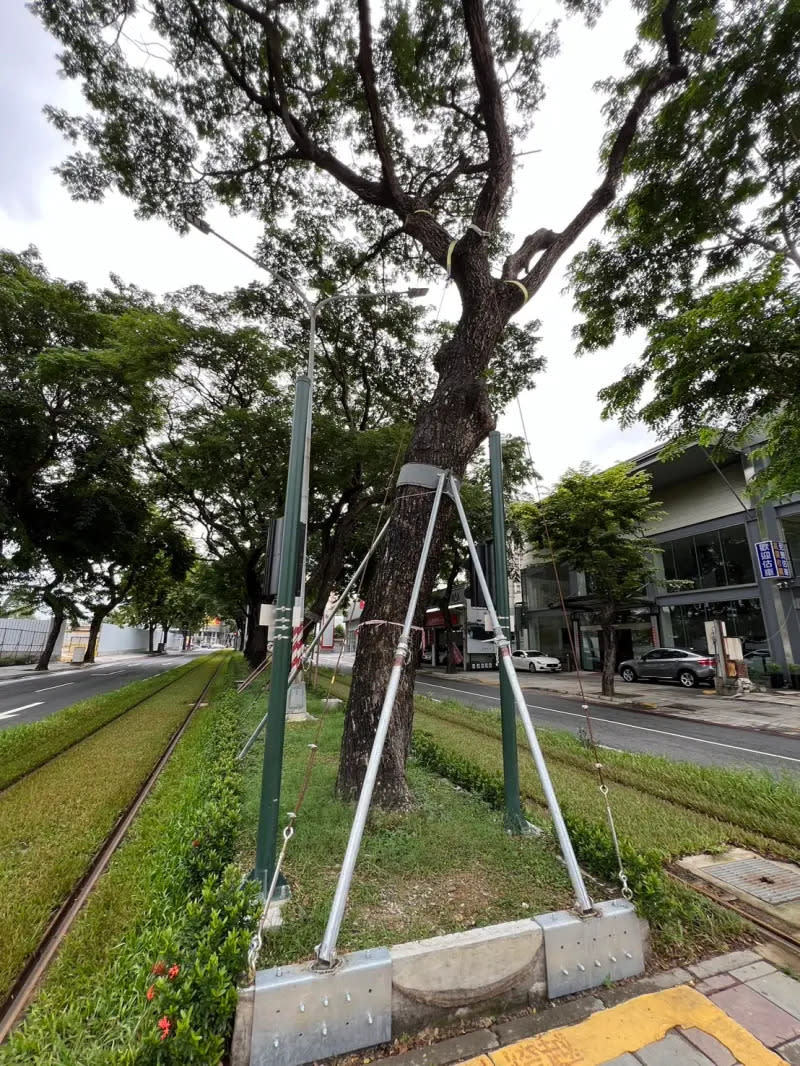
[(416, 294), (198, 223)]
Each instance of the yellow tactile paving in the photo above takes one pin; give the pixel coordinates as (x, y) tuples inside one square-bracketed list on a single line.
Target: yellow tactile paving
[(630, 1027)]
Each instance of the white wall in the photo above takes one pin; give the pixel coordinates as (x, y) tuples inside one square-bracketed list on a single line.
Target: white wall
[(23, 636), (700, 499), (116, 639)]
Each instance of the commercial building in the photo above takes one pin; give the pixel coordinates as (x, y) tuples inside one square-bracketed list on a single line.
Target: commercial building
[(707, 568)]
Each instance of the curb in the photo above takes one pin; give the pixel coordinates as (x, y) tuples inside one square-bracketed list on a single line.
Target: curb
[(657, 710)]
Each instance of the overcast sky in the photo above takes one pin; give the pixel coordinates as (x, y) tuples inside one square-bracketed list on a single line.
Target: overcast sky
[(89, 241)]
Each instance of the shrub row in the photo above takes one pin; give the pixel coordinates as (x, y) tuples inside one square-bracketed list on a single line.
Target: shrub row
[(164, 992), (671, 909)]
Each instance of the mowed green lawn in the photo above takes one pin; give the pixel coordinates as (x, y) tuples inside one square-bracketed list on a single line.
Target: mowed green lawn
[(53, 821)]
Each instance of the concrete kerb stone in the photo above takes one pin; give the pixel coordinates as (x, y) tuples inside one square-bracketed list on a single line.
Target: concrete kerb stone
[(497, 969), (453, 976)]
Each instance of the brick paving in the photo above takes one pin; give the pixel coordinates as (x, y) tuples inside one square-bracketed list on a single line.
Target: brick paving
[(742, 987)]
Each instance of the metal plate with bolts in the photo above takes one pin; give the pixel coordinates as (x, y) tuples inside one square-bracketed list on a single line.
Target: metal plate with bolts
[(771, 882), (301, 1014), (583, 953)]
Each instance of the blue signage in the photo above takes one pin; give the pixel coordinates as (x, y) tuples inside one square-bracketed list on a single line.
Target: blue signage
[(773, 559)]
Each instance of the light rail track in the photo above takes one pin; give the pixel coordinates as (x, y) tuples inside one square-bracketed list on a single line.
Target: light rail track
[(24, 988), (97, 728)]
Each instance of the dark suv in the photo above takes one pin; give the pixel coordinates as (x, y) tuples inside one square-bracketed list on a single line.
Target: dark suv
[(688, 668)]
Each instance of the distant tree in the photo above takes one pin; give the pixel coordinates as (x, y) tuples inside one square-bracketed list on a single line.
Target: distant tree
[(80, 376), (151, 549), (593, 521), (703, 250)]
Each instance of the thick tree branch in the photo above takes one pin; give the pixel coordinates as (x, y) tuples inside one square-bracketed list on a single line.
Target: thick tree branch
[(276, 103), (366, 69), (498, 179), (539, 241), (607, 190)]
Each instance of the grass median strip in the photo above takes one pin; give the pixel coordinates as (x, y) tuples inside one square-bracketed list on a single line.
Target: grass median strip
[(24, 747), (445, 866), (92, 1007), (53, 821)]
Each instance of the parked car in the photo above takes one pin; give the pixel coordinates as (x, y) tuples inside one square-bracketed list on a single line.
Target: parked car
[(688, 668), (535, 661)]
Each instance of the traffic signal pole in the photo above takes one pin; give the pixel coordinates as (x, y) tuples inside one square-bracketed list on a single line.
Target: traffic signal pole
[(269, 812)]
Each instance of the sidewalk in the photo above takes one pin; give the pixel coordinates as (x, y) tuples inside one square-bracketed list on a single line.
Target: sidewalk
[(770, 712), (733, 1010)]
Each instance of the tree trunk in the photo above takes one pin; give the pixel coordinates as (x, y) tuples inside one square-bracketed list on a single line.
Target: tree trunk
[(448, 430), (94, 633), (151, 632), (52, 637), (164, 634), (255, 648), (609, 654)]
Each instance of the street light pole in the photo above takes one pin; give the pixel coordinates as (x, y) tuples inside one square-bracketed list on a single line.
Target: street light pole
[(297, 692)]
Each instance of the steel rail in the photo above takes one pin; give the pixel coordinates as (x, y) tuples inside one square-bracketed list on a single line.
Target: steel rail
[(24, 988)]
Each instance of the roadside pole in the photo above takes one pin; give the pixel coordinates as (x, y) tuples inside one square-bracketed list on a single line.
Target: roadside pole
[(269, 812), (514, 820)]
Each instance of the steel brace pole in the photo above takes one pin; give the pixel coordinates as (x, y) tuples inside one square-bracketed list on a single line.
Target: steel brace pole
[(309, 650), (582, 899), (326, 952)]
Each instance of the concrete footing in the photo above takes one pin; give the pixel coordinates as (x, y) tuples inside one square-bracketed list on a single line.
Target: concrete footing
[(497, 969)]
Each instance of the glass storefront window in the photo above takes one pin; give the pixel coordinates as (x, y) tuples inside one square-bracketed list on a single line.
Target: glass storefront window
[(738, 555), (710, 567), (791, 534), (710, 560), (541, 588), (742, 618)]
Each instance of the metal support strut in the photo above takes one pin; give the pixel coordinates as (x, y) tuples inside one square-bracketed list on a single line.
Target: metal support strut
[(326, 951), (584, 903)]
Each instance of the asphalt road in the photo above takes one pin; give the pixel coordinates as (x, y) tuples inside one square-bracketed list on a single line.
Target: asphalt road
[(36, 696), (635, 731)]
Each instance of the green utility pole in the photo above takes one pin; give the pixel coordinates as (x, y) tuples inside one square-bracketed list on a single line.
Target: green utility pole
[(514, 820), (269, 813)]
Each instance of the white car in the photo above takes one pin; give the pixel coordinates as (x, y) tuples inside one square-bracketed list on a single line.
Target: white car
[(535, 661)]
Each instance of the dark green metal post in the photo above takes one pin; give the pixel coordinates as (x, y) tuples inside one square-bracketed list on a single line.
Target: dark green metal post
[(514, 820), (269, 813)]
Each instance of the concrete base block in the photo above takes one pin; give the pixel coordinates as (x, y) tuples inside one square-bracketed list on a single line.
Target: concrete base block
[(461, 974), (585, 951), (497, 969)]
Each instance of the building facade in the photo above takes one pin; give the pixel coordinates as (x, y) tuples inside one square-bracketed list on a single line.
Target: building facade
[(706, 569)]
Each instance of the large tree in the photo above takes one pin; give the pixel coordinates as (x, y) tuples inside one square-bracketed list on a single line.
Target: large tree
[(594, 521), (79, 393), (703, 251), (397, 133)]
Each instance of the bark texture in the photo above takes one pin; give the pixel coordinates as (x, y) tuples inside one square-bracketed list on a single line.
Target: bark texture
[(52, 637), (609, 654), (447, 433), (94, 633)]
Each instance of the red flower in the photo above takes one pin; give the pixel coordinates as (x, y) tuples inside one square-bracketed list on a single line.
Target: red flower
[(195, 843), (173, 972), (164, 1024), (151, 991), (159, 969)]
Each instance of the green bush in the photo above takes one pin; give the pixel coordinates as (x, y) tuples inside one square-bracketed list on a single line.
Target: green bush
[(161, 987)]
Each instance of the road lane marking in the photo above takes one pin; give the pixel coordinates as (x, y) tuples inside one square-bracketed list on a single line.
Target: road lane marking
[(64, 684), (625, 725), (16, 710)]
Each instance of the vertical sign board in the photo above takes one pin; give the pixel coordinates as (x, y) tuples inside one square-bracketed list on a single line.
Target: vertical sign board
[(773, 559)]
